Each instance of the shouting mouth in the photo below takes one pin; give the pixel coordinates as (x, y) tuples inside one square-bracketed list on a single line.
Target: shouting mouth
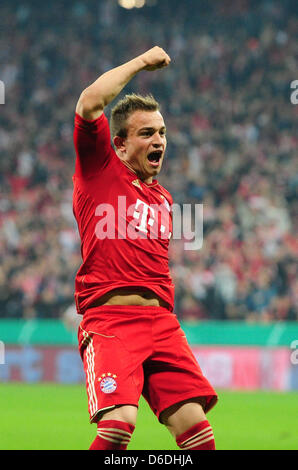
[(154, 158)]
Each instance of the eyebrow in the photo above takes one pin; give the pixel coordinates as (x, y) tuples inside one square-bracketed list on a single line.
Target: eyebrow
[(151, 129)]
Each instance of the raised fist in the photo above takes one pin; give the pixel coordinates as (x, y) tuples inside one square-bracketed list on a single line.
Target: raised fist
[(155, 58)]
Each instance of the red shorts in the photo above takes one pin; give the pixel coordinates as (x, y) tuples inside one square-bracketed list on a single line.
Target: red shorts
[(130, 350)]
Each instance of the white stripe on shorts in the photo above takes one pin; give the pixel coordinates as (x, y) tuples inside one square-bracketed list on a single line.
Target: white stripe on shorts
[(90, 376)]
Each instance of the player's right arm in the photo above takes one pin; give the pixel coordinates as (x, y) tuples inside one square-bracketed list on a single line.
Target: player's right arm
[(92, 134), (100, 93)]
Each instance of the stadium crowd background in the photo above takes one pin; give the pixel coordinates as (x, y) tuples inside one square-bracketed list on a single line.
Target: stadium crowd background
[(232, 146)]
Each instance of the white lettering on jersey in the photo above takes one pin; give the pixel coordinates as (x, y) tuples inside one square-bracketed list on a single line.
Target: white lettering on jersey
[(144, 215)]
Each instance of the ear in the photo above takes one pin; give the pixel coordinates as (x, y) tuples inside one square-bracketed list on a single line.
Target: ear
[(119, 143)]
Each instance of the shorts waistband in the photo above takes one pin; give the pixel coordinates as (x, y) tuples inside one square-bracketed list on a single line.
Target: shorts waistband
[(147, 309)]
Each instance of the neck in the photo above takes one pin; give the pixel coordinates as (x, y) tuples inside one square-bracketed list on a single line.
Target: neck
[(128, 165), (147, 180)]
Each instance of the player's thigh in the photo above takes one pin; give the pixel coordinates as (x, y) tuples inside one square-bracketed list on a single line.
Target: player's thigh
[(126, 413), (173, 375), (179, 417), (114, 376)]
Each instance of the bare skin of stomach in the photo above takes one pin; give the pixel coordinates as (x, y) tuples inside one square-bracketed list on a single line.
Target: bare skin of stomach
[(146, 298)]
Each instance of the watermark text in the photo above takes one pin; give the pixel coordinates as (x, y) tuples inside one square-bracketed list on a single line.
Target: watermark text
[(294, 94), (294, 354), (2, 92), (2, 353), (151, 221)]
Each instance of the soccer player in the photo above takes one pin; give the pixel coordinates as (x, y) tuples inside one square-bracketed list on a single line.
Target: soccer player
[(130, 340)]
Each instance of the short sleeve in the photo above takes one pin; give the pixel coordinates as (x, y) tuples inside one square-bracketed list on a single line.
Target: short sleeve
[(92, 142)]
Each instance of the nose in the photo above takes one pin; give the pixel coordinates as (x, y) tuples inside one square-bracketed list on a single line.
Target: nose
[(158, 141)]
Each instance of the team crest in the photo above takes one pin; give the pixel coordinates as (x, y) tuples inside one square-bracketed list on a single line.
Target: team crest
[(107, 382)]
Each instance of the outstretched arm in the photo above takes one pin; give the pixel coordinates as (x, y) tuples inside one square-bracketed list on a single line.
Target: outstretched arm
[(98, 95)]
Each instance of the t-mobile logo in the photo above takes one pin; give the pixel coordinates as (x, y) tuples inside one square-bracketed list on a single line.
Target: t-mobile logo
[(141, 213)]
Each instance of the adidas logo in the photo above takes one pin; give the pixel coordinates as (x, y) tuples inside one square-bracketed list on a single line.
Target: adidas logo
[(137, 184)]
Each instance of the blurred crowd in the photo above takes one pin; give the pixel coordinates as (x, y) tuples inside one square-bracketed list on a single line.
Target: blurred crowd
[(232, 146)]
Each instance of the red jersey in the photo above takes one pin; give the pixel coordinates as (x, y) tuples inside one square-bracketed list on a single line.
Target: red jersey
[(125, 224)]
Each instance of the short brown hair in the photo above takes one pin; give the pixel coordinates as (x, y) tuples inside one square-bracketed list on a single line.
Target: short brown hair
[(125, 107)]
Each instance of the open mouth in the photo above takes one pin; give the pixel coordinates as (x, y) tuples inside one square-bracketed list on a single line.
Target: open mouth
[(154, 157)]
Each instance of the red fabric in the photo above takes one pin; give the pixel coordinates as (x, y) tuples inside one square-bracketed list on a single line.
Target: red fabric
[(130, 350), (124, 244), (112, 435), (198, 437)]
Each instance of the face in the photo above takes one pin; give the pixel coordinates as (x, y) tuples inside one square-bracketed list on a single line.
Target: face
[(144, 147)]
